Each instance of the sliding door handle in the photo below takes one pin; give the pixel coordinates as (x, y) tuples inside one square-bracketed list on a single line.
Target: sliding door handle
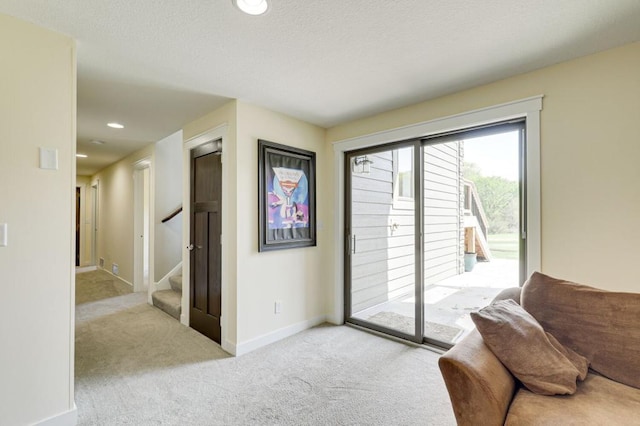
[(351, 244)]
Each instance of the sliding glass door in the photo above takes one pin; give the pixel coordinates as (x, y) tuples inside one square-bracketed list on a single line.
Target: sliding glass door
[(382, 255), (434, 230)]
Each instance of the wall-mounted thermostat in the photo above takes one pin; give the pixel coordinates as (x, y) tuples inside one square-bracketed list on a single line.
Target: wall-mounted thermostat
[(3, 234), (48, 158)]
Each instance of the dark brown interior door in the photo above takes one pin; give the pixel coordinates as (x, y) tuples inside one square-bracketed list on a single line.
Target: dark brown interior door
[(206, 198)]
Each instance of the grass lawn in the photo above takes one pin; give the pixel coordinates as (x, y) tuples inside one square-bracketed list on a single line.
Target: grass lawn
[(504, 246)]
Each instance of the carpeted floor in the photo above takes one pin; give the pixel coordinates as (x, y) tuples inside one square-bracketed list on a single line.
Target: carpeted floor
[(98, 285), (135, 365)]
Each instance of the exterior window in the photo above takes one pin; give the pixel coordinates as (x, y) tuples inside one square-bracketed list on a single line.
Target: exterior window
[(403, 186)]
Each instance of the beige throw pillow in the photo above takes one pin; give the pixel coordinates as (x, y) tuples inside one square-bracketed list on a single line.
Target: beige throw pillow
[(534, 357)]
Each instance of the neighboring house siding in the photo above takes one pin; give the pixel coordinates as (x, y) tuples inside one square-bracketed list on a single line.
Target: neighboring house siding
[(443, 203), (383, 264)]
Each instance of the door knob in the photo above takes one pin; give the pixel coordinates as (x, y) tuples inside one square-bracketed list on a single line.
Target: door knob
[(190, 247)]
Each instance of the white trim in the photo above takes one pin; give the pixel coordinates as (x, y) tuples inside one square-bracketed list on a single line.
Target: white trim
[(81, 269), (116, 276), (229, 347), (528, 108), (337, 315), (219, 132), (534, 227), (95, 200), (164, 284), (463, 120), (139, 189), (67, 418), (82, 220), (274, 336)]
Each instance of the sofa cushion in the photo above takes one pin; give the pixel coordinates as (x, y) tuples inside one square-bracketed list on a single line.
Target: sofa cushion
[(597, 401), (603, 326), (539, 361)]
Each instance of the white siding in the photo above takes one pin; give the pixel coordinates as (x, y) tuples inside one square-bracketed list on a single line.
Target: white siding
[(443, 208), (383, 264)]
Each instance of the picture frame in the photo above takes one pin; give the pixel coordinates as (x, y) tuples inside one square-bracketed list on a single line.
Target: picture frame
[(286, 197)]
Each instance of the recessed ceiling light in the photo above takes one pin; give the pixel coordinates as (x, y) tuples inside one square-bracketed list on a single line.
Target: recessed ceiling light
[(252, 7), (97, 142), (81, 155), (115, 125)]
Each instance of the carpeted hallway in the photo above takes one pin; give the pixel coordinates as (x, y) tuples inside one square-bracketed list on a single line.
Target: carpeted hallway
[(136, 365), (98, 285)]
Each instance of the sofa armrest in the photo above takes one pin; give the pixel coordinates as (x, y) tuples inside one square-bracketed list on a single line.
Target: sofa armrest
[(509, 293), (480, 387)]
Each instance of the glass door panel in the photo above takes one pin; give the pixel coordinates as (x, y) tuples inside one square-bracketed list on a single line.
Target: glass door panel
[(434, 230), (472, 222), (381, 240)]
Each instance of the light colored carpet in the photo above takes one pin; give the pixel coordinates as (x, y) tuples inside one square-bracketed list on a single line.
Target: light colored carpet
[(395, 321), (97, 285), (136, 365)]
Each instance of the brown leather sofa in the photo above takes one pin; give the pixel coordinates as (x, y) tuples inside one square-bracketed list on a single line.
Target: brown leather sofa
[(600, 325)]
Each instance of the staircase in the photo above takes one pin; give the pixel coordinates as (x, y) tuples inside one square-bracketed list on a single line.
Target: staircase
[(170, 301)]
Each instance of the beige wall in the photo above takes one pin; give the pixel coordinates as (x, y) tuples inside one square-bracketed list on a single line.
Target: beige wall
[(589, 159), (115, 213), (38, 108), (298, 277)]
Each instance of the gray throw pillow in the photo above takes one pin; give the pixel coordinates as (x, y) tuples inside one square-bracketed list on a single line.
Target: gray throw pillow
[(534, 357)]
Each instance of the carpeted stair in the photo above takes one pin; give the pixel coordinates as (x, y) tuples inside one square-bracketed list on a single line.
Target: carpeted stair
[(170, 301)]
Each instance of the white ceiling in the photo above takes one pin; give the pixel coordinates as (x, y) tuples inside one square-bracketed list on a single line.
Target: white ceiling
[(155, 65)]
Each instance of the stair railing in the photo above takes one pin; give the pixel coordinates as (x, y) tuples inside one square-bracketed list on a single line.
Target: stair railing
[(473, 205), (172, 215)]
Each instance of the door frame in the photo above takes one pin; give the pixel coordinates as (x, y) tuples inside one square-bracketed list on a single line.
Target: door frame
[(84, 227), (138, 211), (95, 199), (216, 133), (80, 222), (528, 108)]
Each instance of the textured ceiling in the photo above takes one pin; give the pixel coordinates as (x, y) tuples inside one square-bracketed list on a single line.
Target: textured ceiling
[(157, 64)]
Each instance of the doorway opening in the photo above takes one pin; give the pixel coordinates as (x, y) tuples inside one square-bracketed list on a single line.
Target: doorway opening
[(94, 224), (436, 228), (78, 224), (141, 225)]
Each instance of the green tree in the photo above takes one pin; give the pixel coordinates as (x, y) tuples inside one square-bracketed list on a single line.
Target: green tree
[(499, 198)]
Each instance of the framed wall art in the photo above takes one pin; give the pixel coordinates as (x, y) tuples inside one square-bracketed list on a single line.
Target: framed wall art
[(287, 197)]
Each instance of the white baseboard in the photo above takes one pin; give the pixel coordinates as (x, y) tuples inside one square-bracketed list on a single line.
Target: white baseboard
[(335, 319), (274, 336), (81, 269), (68, 418), (117, 277), (229, 347)]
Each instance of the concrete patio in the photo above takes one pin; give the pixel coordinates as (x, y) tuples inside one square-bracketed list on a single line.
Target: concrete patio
[(448, 303)]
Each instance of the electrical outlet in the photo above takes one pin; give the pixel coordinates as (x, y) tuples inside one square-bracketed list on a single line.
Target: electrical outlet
[(114, 269), (278, 307)]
